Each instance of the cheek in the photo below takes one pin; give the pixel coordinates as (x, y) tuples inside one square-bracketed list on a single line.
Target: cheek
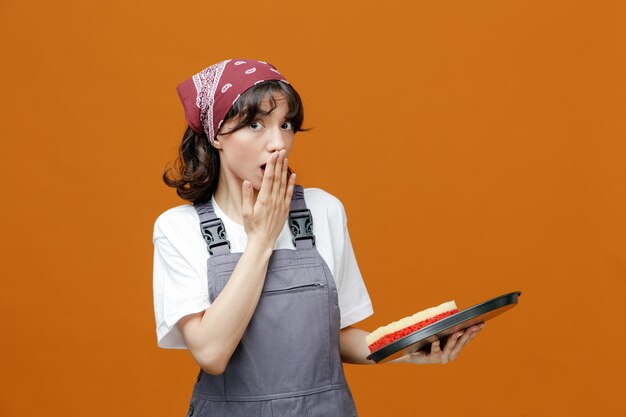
[(289, 145), (239, 158)]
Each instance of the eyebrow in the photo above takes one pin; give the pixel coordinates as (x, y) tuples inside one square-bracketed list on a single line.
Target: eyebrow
[(264, 115)]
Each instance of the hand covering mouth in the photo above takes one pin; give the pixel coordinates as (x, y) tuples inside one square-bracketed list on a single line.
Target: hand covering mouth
[(263, 167)]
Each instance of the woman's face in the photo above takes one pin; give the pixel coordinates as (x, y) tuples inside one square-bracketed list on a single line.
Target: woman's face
[(244, 153)]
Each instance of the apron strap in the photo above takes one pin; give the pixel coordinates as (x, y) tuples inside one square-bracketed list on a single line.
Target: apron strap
[(213, 229), (300, 221), (300, 224)]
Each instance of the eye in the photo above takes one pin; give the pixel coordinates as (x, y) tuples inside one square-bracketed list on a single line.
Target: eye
[(256, 125), (287, 125)]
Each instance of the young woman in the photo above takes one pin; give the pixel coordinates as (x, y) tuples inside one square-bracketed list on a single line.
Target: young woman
[(258, 278)]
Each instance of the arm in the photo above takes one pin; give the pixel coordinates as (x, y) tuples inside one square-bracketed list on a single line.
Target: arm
[(354, 349), (213, 335)]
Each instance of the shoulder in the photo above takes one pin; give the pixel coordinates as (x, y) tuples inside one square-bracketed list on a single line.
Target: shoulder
[(319, 195), (177, 236), (324, 204), (176, 221)]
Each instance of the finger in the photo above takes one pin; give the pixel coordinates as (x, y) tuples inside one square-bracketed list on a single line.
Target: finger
[(268, 178), (436, 356), (476, 327), (435, 348), (246, 203), (283, 178), (450, 344), (474, 330), (278, 167), (290, 186), (452, 341), (460, 343)]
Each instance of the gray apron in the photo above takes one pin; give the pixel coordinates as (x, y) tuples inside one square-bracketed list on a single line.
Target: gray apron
[(287, 363)]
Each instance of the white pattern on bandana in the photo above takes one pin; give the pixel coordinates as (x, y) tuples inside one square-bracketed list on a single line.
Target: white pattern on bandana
[(206, 83)]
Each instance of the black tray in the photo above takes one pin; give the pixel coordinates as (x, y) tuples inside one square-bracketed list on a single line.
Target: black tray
[(441, 329)]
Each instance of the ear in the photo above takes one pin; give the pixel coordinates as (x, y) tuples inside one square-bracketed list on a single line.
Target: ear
[(216, 143)]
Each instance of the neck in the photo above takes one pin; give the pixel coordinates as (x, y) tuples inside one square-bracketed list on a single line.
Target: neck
[(228, 196)]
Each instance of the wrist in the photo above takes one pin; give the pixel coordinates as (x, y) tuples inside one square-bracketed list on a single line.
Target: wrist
[(260, 247), (401, 359)]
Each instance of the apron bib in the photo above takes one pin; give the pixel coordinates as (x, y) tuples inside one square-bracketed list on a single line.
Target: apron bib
[(287, 363)]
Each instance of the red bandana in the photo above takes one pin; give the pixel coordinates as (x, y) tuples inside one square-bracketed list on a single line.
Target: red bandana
[(208, 96)]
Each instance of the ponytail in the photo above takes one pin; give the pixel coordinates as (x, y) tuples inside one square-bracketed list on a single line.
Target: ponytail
[(195, 172)]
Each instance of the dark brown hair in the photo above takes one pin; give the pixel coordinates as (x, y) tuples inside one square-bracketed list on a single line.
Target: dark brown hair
[(195, 172)]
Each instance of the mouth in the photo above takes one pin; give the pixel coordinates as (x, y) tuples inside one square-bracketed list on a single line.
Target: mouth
[(263, 168)]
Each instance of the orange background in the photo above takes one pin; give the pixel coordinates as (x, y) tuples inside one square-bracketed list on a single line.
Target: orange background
[(478, 147)]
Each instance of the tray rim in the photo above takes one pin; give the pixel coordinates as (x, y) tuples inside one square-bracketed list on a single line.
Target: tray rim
[(444, 324)]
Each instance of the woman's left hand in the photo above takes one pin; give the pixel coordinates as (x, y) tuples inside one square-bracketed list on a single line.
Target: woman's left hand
[(451, 350)]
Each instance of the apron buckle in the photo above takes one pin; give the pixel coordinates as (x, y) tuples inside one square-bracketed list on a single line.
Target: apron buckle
[(214, 234), (301, 225)]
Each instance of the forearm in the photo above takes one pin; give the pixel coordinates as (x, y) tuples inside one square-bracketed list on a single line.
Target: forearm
[(214, 337), (353, 347)]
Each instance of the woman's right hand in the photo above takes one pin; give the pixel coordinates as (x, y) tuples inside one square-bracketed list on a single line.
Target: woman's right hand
[(264, 219)]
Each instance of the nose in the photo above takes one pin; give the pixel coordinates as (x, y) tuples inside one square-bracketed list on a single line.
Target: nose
[(276, 140)]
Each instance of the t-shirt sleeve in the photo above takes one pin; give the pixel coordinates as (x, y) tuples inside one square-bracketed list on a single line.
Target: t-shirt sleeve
[(179, 288), (354, 301)]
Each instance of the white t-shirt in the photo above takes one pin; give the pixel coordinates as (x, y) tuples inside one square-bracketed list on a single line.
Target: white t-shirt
[(180, 262)]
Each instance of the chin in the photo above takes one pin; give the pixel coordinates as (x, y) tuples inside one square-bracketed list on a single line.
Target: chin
[(256, 185)]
